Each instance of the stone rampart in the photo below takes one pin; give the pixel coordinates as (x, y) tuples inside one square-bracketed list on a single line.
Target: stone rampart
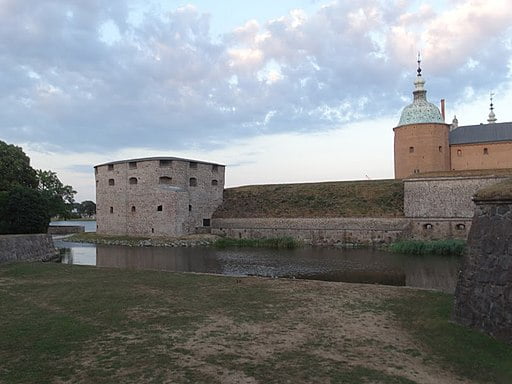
[(26, 247), (315, 231), (443, 197), (65, 229), (483, 298)]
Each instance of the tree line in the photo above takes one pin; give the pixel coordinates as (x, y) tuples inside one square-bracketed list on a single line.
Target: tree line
[(29, 198)]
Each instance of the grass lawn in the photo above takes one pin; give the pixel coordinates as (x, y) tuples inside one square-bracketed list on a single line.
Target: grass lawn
[(71, 324)]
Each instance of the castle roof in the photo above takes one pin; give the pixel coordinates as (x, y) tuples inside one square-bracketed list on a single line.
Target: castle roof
[(481, 133), (420, 111), (157, 159)]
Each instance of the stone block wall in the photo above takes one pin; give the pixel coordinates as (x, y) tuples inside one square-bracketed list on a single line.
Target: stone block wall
[(26, 247), (483, 298), (315, 231), (443, 197), (157, 196), (435, 228), (65, 229)]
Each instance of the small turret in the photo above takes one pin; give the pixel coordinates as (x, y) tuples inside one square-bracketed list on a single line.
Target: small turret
[(492, 117), (454, 124)]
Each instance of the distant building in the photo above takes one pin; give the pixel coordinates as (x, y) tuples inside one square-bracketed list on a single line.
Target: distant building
[(425, 143), (159, 196)]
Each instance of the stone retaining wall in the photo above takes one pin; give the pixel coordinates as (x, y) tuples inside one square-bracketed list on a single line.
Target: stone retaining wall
[(315, 231), (65, 229), (483, 298), (444, 197), (26, 247)]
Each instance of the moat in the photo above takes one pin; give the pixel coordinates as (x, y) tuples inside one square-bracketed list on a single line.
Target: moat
[(347, 265)]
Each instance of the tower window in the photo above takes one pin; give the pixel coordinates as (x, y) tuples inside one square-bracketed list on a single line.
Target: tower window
[(133, 209), (193, 182), (486, 151), (459, 152), (206, 222), (193, 165), (165, 163), (215, 168), (215, 183), (132, 165), (440, 148), (190, 208), (160, 208), (165, 180), (111, 209), (411, 149), (111, 182), (133, 180), (110, 167)]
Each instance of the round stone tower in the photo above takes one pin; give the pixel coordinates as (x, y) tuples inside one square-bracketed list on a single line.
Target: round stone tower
[(421, 137)]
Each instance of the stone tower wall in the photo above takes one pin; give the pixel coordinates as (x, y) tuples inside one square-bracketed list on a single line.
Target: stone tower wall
[(141, 203), (421, 148)]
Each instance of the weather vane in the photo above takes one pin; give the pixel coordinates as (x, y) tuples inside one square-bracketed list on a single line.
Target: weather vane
[(419, 64)]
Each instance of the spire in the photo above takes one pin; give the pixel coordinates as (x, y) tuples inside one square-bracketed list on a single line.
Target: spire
[(492, 117), (419, 83)]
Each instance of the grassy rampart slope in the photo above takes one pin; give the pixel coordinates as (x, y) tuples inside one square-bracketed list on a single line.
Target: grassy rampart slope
[(375, 198)]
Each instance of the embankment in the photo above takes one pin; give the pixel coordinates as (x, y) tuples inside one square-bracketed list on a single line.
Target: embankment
[(26, 247)]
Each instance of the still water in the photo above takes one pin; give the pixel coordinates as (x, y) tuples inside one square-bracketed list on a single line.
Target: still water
[(89, 225), (348, 265)]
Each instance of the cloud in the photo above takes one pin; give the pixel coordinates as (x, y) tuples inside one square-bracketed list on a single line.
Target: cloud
[(80, 76)]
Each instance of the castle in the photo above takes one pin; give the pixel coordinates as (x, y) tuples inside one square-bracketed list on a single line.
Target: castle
[(158, 196), (425, 143), (442, 166)]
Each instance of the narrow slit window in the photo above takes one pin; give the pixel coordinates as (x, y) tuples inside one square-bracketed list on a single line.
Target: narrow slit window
[(165, 180), (411, 149), (111, 182), (133, 209), (132, 165), (440, 148), (215, 168), (193, 182), (110, 167), (459, 152), (111, 209), (160, 208), (486, 151)]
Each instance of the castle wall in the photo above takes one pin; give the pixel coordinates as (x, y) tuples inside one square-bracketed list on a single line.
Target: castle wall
[(26, 248), (444, 197), (315, 231), (481, 156), (150, 198), (421, 148), (483, 298)]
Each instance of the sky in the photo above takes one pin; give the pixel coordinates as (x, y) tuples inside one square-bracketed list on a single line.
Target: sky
[(279, 91)]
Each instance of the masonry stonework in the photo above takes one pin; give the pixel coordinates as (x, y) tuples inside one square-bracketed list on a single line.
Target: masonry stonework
[(162, 196), (444, 197), (483, 298), (315, 231), (26, 248)]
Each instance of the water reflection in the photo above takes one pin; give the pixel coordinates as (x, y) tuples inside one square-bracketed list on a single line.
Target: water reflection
[(351, 265)]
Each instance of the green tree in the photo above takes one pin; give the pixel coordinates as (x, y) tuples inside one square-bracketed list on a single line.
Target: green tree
[(23, 210), (87, 208), (15, 168), (60, 197)]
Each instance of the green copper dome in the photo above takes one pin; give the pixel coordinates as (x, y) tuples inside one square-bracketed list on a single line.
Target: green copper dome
[(420, 111)]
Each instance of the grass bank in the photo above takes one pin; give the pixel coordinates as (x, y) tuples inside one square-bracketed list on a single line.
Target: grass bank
[(451, 247), (64, 323), (278, 243), (375, 198)]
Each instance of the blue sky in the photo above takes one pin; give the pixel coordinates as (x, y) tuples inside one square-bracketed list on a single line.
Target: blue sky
[(279, 91)]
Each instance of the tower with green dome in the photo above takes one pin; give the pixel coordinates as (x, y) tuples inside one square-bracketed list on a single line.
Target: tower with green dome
[(422, 136)]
